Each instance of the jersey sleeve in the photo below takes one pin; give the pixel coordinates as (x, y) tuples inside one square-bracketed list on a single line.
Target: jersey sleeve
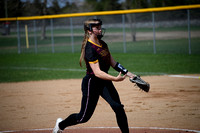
[(90, 54)]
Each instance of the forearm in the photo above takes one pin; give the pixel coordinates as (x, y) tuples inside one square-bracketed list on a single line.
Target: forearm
[(105, 76), (130, 75), (114, 63), (117, 66)]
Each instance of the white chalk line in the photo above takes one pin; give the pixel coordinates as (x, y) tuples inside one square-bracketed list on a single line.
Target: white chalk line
[(42, 68), (83, 70), (155, 128), (184, 76), (70, 70)]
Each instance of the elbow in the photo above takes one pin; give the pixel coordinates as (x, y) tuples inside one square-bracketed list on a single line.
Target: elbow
[(97, 74), (113, 65)]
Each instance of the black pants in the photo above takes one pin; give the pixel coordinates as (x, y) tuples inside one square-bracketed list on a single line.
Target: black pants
[(92, 88)]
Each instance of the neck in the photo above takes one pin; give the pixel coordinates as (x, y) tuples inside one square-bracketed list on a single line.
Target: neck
[(94, 39)]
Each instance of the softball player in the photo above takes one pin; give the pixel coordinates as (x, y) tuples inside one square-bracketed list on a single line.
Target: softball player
[(97, 81)]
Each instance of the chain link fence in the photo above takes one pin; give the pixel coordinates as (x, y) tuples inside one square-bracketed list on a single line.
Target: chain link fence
[(164, 32)]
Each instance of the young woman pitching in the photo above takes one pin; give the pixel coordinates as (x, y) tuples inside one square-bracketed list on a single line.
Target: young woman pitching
[(97, 81)]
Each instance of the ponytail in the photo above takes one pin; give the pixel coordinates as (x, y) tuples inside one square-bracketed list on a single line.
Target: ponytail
[(86, 37), (87, 27)]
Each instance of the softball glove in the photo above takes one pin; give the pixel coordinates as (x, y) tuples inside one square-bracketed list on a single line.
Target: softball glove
[(140, 83)]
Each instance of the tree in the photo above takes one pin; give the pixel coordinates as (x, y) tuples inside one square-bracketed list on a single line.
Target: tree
[(14, 8), (35, 6), (44, 12), (131, 19), (55, 8), (104, 5), (70, 8)]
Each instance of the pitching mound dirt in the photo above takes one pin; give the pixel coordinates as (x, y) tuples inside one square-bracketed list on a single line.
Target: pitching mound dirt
[(171, 103)]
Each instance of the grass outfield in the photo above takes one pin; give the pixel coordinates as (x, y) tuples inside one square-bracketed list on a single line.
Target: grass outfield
[(170, 46), (62, 41), (113, 30), (29, 67)]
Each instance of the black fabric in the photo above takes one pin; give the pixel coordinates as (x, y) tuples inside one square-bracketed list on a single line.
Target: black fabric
[(92, 88), (95, 52), (118, 67)]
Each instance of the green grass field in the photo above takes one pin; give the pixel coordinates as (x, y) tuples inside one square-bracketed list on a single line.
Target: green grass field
[(115, 29), (171, 55), (170, 46), (33, 67)]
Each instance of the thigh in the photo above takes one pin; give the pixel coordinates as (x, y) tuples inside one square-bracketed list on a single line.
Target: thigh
[(89, 99), (110, 94)]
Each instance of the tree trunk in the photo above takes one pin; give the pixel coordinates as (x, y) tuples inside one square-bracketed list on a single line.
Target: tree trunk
[(43, 35), (131, 20)]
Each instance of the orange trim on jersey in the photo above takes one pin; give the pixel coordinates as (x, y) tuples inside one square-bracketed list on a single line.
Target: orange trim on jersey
[(94, 43), (93, 62)]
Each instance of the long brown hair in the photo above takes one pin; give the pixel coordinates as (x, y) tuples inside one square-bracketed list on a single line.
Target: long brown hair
[(87, 27)]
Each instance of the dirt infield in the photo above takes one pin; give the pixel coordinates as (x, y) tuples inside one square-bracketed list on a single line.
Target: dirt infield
[(109, 130), (173, 102)]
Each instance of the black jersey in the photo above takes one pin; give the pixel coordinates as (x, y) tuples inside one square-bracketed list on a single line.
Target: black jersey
[(97, 53)]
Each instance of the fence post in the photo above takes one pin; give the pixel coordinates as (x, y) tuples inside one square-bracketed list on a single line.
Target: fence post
[(154, 34), (35, 36), (72, 34), (189, 34), (52, 38), (18, 38), (124, 32)]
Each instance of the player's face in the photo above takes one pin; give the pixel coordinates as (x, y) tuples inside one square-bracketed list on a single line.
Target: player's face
[(97, 30)]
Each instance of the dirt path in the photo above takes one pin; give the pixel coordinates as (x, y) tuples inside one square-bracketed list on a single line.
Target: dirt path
[(172, 103)]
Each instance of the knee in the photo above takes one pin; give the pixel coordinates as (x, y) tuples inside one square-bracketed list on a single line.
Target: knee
[(118, 107)]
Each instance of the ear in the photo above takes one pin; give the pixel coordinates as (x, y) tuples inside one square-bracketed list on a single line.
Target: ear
[(89, 32)]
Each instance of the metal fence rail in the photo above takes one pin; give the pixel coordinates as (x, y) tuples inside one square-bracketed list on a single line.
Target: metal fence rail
[(153, 30)]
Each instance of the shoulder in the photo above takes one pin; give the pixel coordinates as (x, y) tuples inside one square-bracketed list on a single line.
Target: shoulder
[(88, 46), (104, 44), (89, 49), (90, 53)]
